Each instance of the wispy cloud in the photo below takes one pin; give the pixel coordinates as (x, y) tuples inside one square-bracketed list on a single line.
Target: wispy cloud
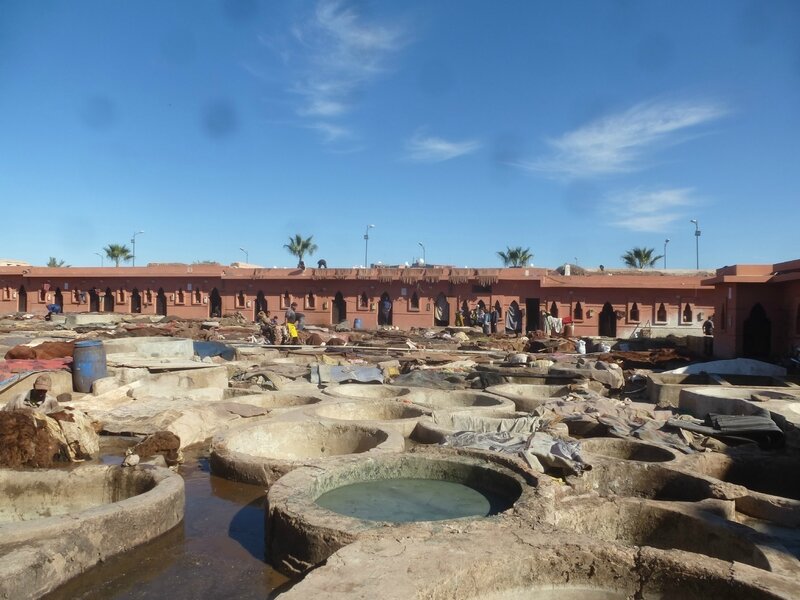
[(619, 143), (336, 53), (330, 132), (651, 210), (423, 148)]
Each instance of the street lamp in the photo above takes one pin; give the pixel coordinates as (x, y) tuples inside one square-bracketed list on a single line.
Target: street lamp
[(101, 258), (696, 243), (366, 245), (246, 255), (421, 245), (133, 242), (666, 241)]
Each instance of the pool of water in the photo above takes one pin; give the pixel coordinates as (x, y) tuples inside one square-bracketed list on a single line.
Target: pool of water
[(216, 552), (409, 500)]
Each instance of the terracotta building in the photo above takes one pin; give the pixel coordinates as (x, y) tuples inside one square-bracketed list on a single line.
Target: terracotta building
[(600, 303), (757, 310)]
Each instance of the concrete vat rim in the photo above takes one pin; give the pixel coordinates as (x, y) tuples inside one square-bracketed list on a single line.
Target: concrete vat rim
[(347, 391), (449, 401), (405, 425), (41, 554), (301, 534), (472, 565), (627, 449), (698, 528), (265, 470)]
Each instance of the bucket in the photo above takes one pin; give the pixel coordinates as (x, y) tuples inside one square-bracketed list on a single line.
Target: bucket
[(88, 364), (356, 323), (569, 330)]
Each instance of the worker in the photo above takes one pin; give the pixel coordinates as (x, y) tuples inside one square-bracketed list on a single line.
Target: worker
[(38, 398)]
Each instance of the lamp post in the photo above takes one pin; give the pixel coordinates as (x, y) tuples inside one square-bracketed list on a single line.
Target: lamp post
[(101, 258), (421, 245), (133, 243), (246, 255), (666, 241), (366, 245), (696, 243)]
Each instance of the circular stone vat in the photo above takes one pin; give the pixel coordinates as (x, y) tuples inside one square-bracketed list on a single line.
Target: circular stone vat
[(276, 400), (410, 500), (313, 512), (527, 397), (261, 453), (464, 400), (396, 415), (435, 431), (360, 391), (55, 524), (773, 489), (766, 473), (515, 562), (673, 527), (627, 450), (643, 480)]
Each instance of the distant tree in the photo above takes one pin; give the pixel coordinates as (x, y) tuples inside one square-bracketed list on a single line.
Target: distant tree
[(516, 256), (54, 262), (205, 262), (118, 252), (299, 247), (641, 258)]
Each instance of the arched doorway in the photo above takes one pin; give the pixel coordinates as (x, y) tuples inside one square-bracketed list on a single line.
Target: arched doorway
[(441, 313), (161, 302), (108, 301), (554, 309), (633, 315), (59, 299), (757, 334), (339, 309), (94, 301), (513, 318), (214, 304), (465, 313), (608, 321), (385, 310), (22, 299), (260, 304), (136, 301), (661, 313)]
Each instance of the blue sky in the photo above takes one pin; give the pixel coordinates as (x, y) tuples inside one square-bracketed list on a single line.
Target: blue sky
[(578, 129)]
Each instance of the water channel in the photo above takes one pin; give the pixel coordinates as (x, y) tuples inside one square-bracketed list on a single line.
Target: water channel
[(217, 552)]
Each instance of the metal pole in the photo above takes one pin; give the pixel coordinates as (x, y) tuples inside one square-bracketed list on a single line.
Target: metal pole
[(366, 245), (101, 258), (666, 241), (133, 242), (246, 255), (421, 245), (696, 243)]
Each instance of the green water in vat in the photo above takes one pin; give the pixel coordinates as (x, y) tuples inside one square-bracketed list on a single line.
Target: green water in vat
[(409, 500)]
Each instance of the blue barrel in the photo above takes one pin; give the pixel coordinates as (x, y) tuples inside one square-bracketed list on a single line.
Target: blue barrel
[(356, 323), (88, 364)]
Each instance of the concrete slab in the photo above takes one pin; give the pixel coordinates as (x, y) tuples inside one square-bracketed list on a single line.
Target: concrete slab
[(83, 319), (151, 347)]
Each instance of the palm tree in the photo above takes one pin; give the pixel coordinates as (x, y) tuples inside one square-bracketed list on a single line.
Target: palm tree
[(300, 247), (54, 262), (118, 252), (516, 256), (641, 258)]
